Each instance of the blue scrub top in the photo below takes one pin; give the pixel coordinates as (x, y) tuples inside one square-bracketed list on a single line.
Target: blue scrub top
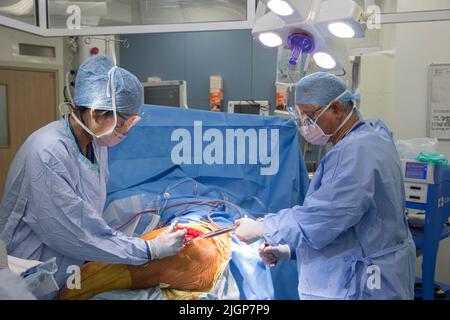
[(351, 230), (53, 203)]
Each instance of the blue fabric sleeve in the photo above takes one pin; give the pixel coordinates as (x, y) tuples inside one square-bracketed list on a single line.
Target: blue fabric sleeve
[(345, 194)]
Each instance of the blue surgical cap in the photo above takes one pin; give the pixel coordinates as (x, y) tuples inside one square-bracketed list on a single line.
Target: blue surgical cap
[(92, 87), (321, 88)]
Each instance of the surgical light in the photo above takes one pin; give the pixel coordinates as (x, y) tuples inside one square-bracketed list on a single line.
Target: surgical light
[(324, 60), (280, 7), (341, 19), (341, 30), (270, 39)]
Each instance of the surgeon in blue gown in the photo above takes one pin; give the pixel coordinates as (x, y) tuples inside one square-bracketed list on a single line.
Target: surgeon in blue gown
[(56, 186), (350, 237)]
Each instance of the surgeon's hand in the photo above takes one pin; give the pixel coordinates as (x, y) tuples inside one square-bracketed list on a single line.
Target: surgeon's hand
[(270, 255), (168, 243), (248, 230)]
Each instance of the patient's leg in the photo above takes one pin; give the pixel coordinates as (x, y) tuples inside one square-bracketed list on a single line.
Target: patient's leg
[(196, 268)]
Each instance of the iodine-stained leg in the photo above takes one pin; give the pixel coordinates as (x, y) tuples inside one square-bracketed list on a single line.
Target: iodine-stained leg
[(196, 268)]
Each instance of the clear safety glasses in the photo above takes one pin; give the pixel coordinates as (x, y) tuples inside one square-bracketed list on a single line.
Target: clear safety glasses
[(311, 117), (302, 119), (125, 123)]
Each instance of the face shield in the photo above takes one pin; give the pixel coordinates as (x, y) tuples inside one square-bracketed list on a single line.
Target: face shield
[(302, 119)]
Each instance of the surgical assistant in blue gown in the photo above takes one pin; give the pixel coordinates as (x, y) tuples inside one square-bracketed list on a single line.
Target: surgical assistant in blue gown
[(53, 202), (351, 235), (54, 195)]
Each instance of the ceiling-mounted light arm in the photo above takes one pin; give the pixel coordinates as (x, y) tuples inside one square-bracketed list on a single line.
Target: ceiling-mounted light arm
[(368, 3), (415, 16)]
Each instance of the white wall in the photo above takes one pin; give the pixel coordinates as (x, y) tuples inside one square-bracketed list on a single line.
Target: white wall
[(395, 89), (418, 45)]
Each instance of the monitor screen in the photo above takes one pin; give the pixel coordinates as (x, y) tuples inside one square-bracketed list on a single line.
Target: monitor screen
[(164, 95), (416, 170), (247, 108)]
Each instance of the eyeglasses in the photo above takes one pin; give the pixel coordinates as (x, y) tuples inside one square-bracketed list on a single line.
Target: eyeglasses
[(313, 113), (125, 123)]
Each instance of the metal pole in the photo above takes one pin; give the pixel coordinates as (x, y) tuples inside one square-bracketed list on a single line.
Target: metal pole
[(415, 16)]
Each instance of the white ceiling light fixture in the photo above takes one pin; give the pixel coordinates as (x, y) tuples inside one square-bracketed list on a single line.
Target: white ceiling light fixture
[(280, 7), (332, 54), (341, 30), (324, 60), (270, 39), (341, 19)]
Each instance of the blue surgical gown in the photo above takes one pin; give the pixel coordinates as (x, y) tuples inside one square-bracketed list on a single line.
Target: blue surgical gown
[(53, 203), (351, 236)]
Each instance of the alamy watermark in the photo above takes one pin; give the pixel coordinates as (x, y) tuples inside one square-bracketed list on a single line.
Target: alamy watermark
[(73, 282), (373, 277), (237, 146), (73, 21)]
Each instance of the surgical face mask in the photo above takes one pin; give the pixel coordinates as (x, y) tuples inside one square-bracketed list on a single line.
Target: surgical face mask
[(111, 92), (309, 128), (119, 133)]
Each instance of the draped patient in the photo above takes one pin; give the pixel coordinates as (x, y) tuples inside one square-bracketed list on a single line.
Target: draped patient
[(195, 269)]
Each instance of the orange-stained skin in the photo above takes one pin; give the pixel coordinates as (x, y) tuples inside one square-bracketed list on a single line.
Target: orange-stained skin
[(196, 268)]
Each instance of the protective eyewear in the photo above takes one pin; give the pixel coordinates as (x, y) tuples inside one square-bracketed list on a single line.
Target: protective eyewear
[(125, 123), (301, 119)]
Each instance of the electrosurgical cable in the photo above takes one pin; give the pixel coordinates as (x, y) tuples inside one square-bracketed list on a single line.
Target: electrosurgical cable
[(214, 202)]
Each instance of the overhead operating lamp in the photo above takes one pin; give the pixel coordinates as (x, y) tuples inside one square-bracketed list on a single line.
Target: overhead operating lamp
[(280, 7), (341, 30), (321, 23), (270, 39), (341, 19), (324, 60)]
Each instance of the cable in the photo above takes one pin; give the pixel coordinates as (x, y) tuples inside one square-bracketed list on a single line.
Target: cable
[(213, 202), (258, 201)]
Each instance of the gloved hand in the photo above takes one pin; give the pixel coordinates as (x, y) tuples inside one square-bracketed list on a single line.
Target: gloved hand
[(248, 230), (168, 243), (270, 255)]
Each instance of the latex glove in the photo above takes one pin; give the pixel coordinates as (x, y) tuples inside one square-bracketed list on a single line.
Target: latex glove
[(270, 255), (248, 230), (168, 243)]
